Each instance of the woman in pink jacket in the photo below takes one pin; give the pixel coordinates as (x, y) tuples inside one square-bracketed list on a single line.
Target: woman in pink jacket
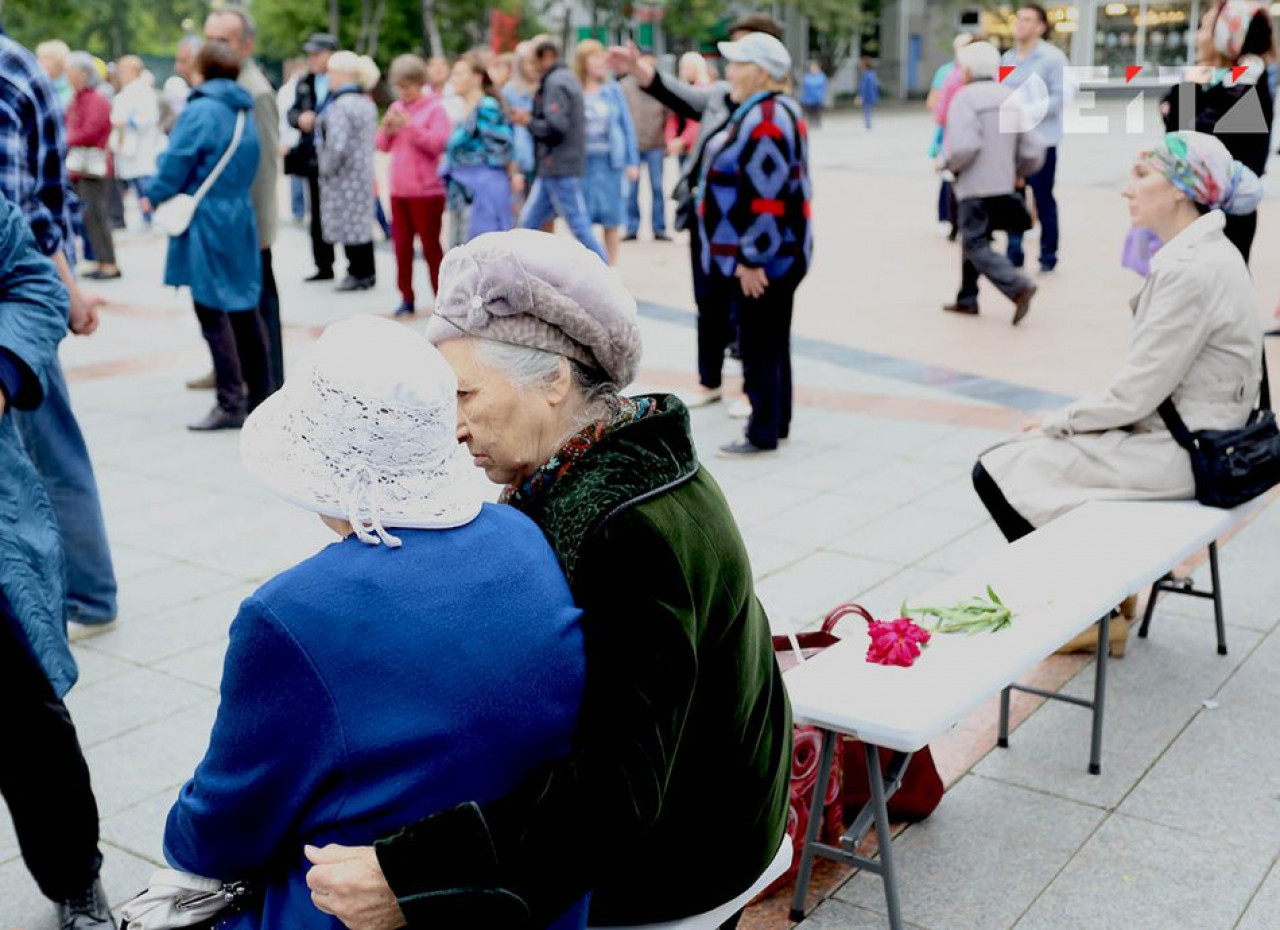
[(415, 131)]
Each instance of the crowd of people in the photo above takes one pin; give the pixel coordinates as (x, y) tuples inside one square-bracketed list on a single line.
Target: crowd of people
[(383, 793)]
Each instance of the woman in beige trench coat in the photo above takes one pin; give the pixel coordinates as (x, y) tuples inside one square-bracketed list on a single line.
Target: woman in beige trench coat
[(1196, 336)]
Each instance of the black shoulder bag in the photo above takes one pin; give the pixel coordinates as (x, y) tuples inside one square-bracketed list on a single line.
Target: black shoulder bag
[(1231, 466)]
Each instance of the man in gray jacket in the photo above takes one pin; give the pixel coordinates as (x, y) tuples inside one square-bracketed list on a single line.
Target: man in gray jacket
[(991, 150), (234, 27), (558, 124)]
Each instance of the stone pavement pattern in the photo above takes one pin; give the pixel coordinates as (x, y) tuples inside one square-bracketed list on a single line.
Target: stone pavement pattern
[(870, 501)]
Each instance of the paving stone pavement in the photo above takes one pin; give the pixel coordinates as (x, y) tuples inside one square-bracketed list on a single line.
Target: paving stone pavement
[(870, 501)]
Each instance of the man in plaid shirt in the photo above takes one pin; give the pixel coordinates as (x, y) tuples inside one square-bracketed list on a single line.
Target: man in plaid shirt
[(32, 175)]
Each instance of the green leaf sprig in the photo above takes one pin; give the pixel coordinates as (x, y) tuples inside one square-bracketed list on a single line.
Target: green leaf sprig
[(972, 616)]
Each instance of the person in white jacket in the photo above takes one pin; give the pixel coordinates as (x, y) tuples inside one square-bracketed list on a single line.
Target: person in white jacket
[(136, 139), (294, 69), (1197, 338)]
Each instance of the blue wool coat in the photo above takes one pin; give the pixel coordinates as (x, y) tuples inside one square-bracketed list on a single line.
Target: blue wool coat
[(218, 256), (33, 320), (369, 687)]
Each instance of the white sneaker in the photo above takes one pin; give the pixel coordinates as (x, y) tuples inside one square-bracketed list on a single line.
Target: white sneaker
[(76, 631), (701, 397), (740, 409), (944, 229)]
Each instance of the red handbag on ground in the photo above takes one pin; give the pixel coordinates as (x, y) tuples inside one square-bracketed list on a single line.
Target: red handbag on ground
[(847, 789)]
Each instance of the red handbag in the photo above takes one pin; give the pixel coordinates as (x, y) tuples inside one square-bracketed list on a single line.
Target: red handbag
[(847, 790)]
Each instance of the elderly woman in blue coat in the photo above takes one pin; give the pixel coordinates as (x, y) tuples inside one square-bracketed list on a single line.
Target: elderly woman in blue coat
[(48, 794), (218, 256), (430, 657)]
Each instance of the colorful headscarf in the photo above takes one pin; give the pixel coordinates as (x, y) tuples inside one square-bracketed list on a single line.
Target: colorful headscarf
[(1200, 166), (1232, 25)]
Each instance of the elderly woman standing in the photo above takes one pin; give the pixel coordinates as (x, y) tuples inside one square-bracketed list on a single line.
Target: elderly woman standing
[(345, 131), (88, 131), (611, 144), (137, 141), (685, 732), (218, 256), (480, 153), (1196, 339), (753, 217), (431, 657), (1232, 33)]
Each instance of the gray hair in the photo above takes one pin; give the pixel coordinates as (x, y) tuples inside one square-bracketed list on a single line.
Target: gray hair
[(83, 62), (530, 369)]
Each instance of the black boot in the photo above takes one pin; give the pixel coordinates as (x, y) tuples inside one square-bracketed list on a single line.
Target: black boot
[(218, 418)]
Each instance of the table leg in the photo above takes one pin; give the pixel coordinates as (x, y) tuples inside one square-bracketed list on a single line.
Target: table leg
[(1217, 598), (826, 760), (1099, 694), (884, 835), (1002, 739)]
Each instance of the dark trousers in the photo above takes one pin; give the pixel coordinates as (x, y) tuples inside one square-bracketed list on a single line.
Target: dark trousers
[(1041, 184), (269, 311), (321, 251), (115, 204), (1011, 523), (715, 322), (417, 218), (360, 260), (238, 343), (97, 225), (45, 781), (764, 334), (1241, 228), (978, 258)]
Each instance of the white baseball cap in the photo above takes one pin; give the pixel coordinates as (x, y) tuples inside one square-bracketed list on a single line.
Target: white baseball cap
[(762, 49)]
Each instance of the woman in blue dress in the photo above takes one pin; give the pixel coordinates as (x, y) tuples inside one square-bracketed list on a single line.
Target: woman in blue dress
[(611, 144)]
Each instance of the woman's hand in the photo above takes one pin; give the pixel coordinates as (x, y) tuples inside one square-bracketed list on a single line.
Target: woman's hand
[(394, 121), (633, 173), (347, 883), (521, 117), (753, 281), (675, 147), (307, 121), (517, 183), (144, 204)]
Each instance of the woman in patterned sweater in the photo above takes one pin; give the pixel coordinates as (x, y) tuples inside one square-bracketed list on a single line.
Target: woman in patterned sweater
[(753, 212)]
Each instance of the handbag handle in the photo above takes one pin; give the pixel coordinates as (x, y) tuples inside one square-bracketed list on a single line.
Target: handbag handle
[(1173, 420), (223, 161), (844, 610)]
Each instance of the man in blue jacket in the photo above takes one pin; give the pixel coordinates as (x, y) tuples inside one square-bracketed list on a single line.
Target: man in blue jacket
[(44, 778)]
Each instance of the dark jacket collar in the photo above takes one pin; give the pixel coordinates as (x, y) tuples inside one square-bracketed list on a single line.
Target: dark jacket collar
[(626, 467)]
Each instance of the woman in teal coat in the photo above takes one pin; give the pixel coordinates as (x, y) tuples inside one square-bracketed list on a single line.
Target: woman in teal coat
[(218, 256)]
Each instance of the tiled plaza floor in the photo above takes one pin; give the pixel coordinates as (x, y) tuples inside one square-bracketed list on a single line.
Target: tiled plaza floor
[(870, 501)]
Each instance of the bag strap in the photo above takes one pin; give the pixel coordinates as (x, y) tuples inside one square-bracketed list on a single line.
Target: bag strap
[(844, 610), (223, 161), (1172, 419)]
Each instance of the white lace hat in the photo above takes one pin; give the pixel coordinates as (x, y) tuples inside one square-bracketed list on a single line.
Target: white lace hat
[(366, 431)]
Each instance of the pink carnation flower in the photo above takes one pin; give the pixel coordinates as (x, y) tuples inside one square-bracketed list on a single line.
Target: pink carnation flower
[(895, 642)]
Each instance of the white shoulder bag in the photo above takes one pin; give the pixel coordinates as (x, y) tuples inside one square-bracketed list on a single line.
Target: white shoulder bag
[(174, 215), (176, 899)]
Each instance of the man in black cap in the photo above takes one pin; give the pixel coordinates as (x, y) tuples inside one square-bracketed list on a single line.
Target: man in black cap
[(313, 90)]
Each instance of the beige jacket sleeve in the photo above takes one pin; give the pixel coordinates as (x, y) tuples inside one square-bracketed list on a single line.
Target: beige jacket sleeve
[(266, 118), (1171, 328)]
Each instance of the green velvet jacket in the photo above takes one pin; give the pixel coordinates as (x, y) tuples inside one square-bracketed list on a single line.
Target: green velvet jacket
[(675, 798)]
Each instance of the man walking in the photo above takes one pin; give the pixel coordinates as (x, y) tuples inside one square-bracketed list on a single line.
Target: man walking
[(558, 126), (313, 90), (1039, 69), (234, 27), (650, 119), (987, 157)]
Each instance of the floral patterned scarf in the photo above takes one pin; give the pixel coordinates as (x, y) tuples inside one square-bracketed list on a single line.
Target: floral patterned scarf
[(538, 485)]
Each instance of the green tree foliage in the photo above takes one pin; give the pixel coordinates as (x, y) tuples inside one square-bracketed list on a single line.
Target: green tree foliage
[(109, 28), (835, 27), (690, 24)]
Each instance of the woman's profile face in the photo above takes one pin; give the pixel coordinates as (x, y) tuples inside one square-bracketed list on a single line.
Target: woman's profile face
[(504, 427), (77, 78), (1152, 199)]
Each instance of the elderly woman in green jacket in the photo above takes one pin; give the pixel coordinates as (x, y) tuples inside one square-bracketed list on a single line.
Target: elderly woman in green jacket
[(675, 797)]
